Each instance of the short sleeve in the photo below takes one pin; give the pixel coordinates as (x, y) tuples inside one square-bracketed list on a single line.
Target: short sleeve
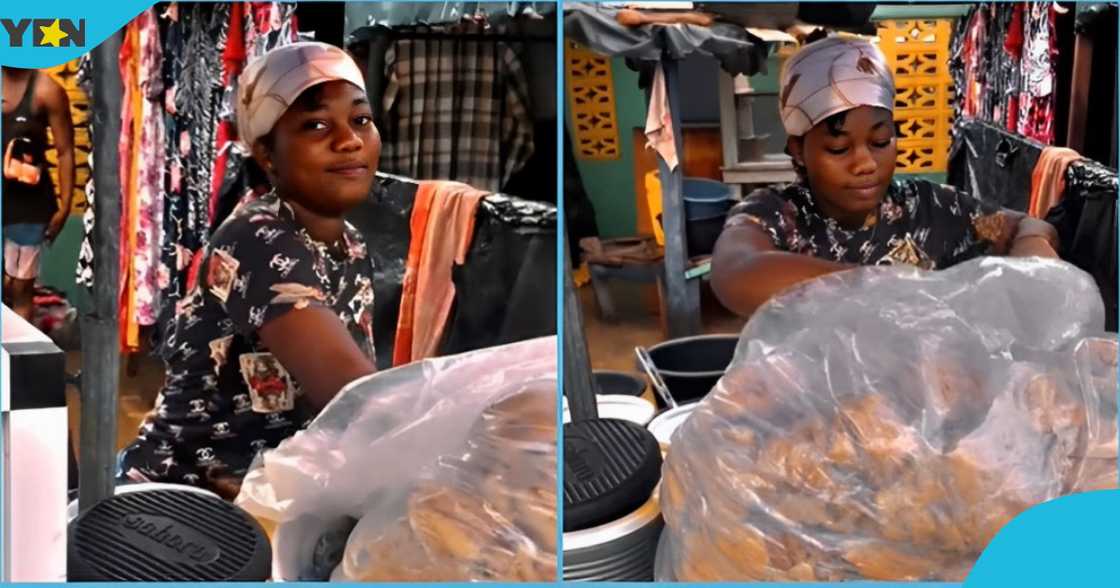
[(261, 271), (973, 228), (763, 208)]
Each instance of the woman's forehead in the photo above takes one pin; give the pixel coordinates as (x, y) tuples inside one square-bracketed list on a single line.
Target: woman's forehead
[(861, 118), (335, 90)]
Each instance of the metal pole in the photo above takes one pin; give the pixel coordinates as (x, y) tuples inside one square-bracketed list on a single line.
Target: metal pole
[(579, 384), (683, 304), (100, 330)]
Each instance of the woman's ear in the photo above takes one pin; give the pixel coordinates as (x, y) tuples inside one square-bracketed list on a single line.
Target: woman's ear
[(796, 148), (263, 156)]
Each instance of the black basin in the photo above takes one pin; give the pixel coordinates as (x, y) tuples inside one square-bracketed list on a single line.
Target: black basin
[(691, 366), (612, 382)]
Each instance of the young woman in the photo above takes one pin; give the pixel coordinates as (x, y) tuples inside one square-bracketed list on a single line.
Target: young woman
[(281, 316), (848, 209)]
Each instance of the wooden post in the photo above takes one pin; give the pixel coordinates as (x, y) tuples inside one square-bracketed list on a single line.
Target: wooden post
[(579, 383), (1079, 92), (100, 328), (683, 304)]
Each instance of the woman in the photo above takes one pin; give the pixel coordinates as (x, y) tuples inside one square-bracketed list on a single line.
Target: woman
[(281, 316), (848, 210)]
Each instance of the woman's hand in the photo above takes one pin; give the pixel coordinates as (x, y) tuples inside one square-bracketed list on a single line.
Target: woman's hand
[(1034, 238)]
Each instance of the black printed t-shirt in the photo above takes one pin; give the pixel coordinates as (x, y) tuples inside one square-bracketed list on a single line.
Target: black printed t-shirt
[(226, 397), (919, 223)]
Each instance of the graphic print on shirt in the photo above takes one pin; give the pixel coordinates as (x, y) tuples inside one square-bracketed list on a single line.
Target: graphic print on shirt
[(298, 295), (205, 456), (220, 431), (222, 274), (283, 264), (276, 420), (219, 352), (270, 386), (241, 404)]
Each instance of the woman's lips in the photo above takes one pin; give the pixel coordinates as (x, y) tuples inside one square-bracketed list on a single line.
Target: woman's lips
[(350, 170), (865, 192)]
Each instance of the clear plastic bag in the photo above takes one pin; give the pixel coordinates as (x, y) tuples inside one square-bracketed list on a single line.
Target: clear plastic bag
[(885, 423), (440, 470)]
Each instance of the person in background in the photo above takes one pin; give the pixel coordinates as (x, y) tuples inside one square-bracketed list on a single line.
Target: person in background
[(33, 214), (280, 316), (847, 209)]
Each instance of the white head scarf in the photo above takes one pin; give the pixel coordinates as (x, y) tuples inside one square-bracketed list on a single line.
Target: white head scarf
[(271, 83), (830, 76)]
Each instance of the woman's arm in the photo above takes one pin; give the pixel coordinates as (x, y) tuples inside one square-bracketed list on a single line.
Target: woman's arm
[(747, 270), (1031, 237), (315, 347)]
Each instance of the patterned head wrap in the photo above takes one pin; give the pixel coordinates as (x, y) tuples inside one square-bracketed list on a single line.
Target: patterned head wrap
[(830, 76), (271, 83)]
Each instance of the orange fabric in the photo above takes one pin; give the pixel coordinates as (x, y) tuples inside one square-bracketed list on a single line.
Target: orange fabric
[(132, 335), (131, 135), (1048, 180), (442, 229), (421, 206)]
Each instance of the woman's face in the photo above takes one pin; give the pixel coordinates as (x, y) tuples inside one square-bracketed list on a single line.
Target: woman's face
[(849, 165), (324, 149)]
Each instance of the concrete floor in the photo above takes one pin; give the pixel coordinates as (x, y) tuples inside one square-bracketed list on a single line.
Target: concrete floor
[(611, 345), (137, 395)]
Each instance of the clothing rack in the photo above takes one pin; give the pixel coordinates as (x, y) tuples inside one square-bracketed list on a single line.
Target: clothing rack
[(426, 32), (496, 37)]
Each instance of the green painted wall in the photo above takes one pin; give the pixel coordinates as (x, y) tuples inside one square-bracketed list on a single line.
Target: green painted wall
[(59, 262), (610, 184)]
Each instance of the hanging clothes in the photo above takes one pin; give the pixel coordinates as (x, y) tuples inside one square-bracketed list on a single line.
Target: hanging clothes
[(456, 109), (1036, 119), (128, 151), (83, 273), (233, 60), (1048, 181), (442, 227), (150, 171), (659, 123), (1003, 62)]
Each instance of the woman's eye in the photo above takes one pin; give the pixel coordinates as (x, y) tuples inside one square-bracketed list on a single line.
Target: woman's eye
[(881, 144), (363, 120), (837, 150), (314, 125)]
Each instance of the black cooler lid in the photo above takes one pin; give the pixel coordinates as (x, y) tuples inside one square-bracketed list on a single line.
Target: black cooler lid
[(167, 535), (610, 469)]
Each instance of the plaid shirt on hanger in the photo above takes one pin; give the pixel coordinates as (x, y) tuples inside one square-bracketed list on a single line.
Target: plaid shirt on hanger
[(456, 109)]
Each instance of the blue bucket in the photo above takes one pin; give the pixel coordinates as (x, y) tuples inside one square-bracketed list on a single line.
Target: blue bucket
[(705, 198)]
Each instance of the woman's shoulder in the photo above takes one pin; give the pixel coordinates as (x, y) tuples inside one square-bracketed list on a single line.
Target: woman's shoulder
[(922, 188), (266, 218), (762, 198), (770, 194)]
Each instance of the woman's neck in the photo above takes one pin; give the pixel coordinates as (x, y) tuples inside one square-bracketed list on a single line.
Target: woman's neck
[(851, 221), (327, 229), (846, 219)]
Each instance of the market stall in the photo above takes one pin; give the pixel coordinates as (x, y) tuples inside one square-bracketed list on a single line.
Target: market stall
[(167, 170)]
